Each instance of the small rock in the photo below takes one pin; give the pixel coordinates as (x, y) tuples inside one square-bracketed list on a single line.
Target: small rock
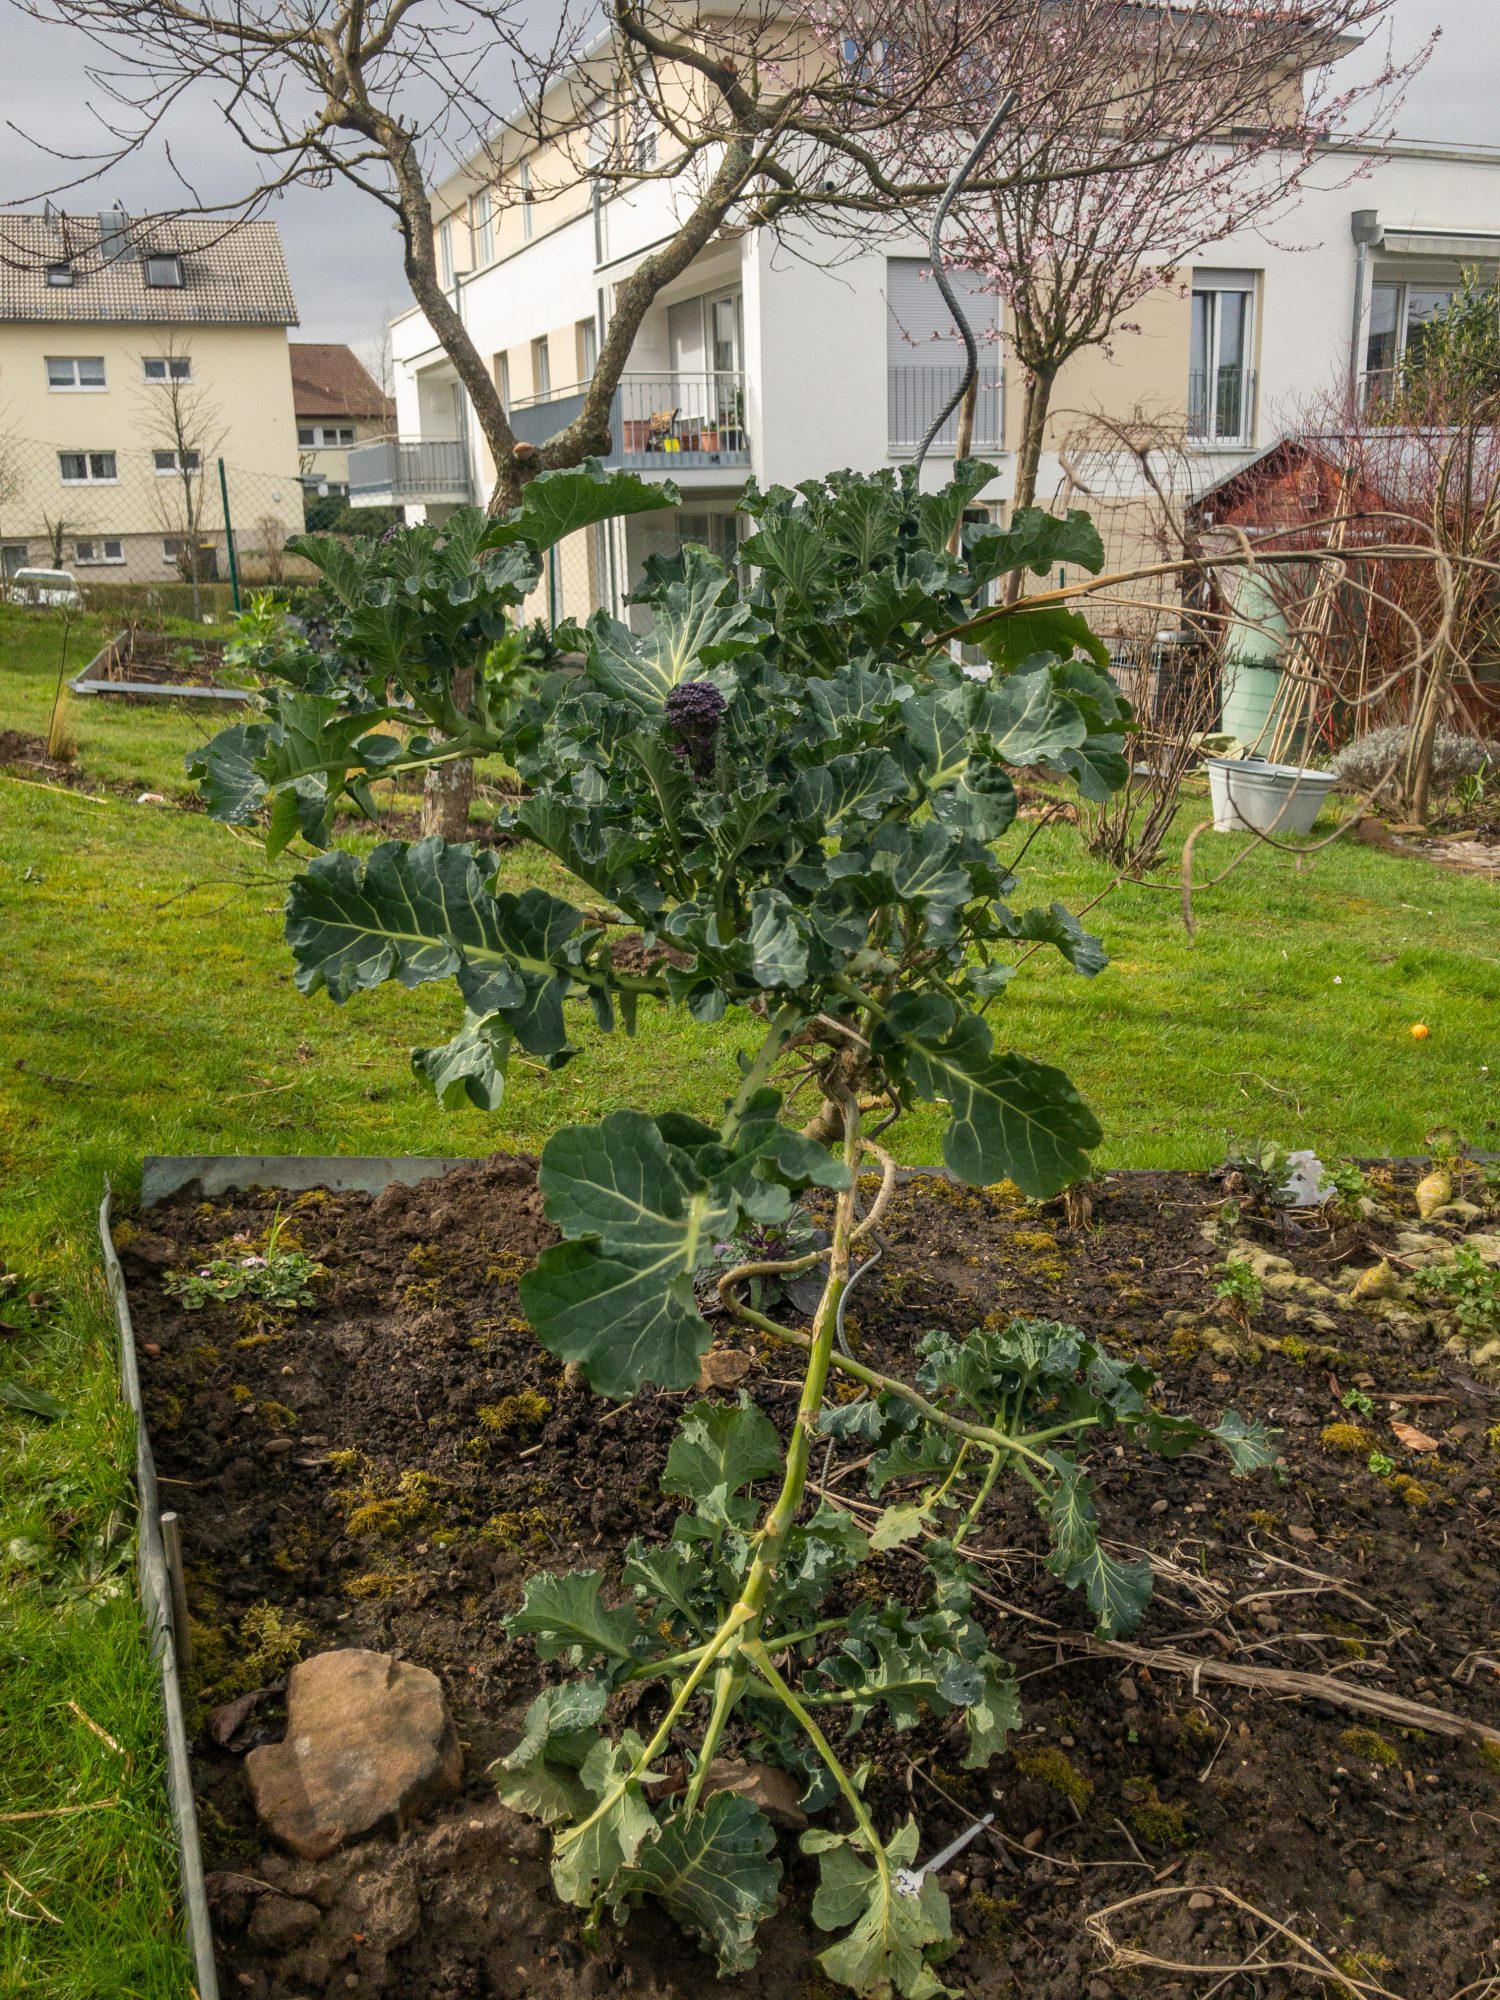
[(773, 1791), (1128, 1691), (369, 1742), (723, 1368), (1355, 1878), (1033, 1840), (281, 1923), (151, 1348), (273, 1447), (1199, 1901), (1158, 1506)]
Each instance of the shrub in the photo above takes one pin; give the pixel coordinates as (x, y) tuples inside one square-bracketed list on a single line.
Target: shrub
[(790, 784), (1373, 763)]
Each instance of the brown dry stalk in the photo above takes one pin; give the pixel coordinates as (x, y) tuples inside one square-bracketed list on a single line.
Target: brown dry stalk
[(1291, 1681), (56, 1812), (1312, 1963)]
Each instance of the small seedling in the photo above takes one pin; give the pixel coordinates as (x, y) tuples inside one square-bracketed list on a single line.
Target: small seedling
[(1240, 1290), (1470, 1289), (279, 1279), (1380, 1465), (1346, 1186), (1356, 1399), (1264, 1168)]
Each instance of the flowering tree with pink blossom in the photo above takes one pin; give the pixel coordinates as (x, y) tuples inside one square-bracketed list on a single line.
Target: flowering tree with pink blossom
[(1141, 135)]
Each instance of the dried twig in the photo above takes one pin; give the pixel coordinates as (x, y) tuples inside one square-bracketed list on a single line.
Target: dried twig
[(56, 1812)]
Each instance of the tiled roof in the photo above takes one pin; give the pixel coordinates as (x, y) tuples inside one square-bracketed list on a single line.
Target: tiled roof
[(331, 381), (233, 274)]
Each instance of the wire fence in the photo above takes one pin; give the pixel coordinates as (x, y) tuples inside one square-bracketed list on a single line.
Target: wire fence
[(124, 522)]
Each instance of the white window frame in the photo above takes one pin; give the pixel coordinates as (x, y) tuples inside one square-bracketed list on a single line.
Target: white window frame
[(482, 227), (103, 543), (528, 217), (75, 386), (1403, 288), (541, 367), (60, 276), (151, 265), (90, 477), (176, 468), (1212, 285), (307, 436), (445, 253), (502, 375), (174, 368)]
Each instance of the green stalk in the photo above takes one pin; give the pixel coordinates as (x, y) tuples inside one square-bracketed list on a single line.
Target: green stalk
[(756, 1654), (781, 1025), (986, 1486), (777, 1643), (727, 1686)]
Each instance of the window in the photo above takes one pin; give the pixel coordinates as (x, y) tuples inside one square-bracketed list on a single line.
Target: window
[(1399, 317), (75, 371), (168, 367), (306, 435), (502, 377), (541, 367), (59, 274), (315, 435), (642, 140), (924, 356), (482, 225), (445, 252), (164, 271), (99, 552), (1220, 384), (175, 461), (87, 468), (588, 349), (528, 220)]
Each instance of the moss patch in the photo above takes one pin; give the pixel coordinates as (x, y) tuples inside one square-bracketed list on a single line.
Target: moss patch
[(1047, 1765), (1370, 1746)]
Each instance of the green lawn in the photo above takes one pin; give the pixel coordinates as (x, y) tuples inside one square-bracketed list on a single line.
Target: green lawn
[(146, 1005)]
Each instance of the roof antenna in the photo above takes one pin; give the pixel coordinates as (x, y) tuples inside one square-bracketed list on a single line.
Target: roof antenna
[(939, 272)]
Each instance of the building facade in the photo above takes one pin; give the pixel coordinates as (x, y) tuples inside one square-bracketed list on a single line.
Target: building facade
[(787, 360), (135, 354), (337, 403)]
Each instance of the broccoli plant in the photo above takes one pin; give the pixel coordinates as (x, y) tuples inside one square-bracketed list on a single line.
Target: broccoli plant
[(791, 787)]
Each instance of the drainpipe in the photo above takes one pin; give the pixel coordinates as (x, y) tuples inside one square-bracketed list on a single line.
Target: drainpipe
[(1364, 227)]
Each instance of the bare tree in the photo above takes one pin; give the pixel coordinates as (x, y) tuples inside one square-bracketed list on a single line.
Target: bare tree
[(1214, 119), (183, 428), (272, 531)]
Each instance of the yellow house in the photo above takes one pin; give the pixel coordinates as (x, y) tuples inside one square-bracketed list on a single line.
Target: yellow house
[(338, 403), (136, 353)]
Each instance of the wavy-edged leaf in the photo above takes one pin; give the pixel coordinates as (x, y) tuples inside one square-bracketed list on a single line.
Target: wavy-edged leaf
[(469, 1069), (564, 1617), (1056, 925), (991, 1716), (1117, 1592), (1026, 720), (588, 1856), (224, 771), (714, 1873), (559, 503), (858, 786), (540, 1776), (699, 626), (1012, 1118), (1038, 541), (720, 1448), (1024, 632), (1251, 1446), (894, 1928)]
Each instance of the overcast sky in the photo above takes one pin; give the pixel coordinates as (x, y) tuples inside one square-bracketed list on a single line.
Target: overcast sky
[(344, 257)]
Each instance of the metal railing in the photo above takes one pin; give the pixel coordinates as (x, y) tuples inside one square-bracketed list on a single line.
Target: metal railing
[(915, 394), (684, 420), (391, 472), (1221, 406)]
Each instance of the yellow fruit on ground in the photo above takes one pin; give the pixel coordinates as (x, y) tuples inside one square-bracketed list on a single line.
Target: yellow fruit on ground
[(1420, 1031)]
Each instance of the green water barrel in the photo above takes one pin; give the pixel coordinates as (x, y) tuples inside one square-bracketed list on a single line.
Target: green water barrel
[(1250, 685)]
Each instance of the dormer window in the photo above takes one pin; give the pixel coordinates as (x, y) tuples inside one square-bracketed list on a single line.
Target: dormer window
[(59, 274), (164, 271)]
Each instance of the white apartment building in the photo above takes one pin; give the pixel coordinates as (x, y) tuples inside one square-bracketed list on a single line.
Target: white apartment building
[(789, 361)]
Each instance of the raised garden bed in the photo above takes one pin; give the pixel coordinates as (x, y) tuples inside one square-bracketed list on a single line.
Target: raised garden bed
[(386, 1468), (155, 666)]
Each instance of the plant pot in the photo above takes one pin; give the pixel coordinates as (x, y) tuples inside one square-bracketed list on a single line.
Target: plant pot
[(1248, 793)]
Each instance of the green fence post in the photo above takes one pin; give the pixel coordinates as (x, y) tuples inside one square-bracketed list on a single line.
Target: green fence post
[(234, 568)]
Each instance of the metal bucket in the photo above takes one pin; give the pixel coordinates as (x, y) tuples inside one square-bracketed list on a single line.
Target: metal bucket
[(1248, 794)]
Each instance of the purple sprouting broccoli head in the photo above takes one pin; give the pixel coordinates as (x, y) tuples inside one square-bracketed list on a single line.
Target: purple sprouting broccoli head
[(694, 711)]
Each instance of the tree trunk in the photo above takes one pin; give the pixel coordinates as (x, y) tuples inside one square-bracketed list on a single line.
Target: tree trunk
[(448, 789), (963, 446), (1039, 386)]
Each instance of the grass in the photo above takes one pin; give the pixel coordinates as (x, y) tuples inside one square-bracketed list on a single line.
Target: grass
[(146, 1005)]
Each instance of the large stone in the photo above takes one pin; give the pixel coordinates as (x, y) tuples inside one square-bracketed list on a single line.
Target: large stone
[(369, 1744)]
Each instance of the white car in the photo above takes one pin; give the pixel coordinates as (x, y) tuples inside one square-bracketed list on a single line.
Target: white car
[(44, 586)]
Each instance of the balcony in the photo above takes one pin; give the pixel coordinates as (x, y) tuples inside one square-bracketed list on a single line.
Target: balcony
[(685, 421), (399, 472), (1221, 406), (915, 394)]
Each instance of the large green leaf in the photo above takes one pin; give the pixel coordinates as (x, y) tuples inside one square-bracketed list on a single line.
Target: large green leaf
[(540, 1776), (1037, 541), (699, 626), (1027, 721), (1050, 628), (470, 1069), (713, 1872), (893, 1930), (719, 1449), (1012, 1118), (425, 911), (555, 504)]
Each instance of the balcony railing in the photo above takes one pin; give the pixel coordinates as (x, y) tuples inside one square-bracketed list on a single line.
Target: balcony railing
[(395, 472), (678, 422), (915, 394), (1221, 406)]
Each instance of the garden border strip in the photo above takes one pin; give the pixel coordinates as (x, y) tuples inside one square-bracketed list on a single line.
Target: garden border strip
[(156, 1606), (81, 683)]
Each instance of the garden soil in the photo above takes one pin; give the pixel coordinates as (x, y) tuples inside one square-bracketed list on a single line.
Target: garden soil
[(386, 1469)]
